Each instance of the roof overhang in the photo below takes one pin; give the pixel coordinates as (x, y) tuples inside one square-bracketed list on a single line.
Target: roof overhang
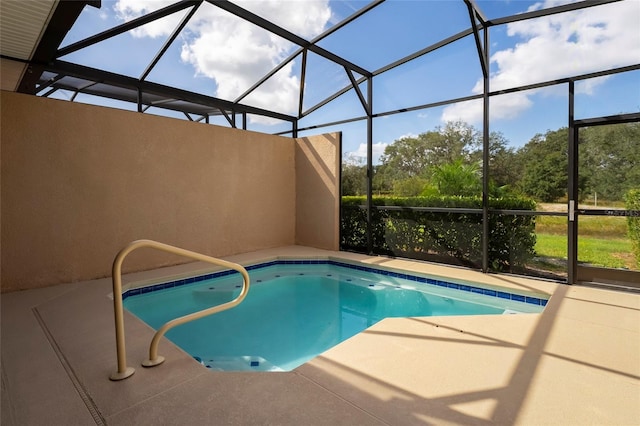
[(31, 34), (23, 25)]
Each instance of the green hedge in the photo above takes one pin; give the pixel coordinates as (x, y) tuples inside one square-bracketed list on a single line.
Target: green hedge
[(441, 236), (632, 202)]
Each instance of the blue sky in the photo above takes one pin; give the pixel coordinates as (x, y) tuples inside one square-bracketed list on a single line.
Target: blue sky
[(219, 55)]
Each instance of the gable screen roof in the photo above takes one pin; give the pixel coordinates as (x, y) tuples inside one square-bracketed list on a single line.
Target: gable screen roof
[(311, 64)]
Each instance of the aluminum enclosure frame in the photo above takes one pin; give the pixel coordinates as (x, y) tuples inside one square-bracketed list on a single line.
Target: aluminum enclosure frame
[(47, 73)]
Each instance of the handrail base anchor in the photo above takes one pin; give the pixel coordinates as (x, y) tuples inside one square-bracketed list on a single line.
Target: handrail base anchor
[(153, 362), (121, 376)]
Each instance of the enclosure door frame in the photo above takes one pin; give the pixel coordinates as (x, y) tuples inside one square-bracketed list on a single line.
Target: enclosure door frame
[(581, 273)]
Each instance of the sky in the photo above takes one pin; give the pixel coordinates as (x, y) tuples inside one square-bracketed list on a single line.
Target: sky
[(223, 56)]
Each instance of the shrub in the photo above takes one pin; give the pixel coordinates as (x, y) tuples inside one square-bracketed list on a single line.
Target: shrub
[(406, 230), (632, 202)]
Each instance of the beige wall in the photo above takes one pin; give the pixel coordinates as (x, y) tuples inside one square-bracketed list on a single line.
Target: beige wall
[(10, 74), (318, 196), (79, 182)]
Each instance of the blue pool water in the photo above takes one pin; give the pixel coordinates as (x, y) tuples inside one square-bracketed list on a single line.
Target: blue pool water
[(294, 312)]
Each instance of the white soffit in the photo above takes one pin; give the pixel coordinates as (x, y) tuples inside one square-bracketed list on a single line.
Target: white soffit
[(22, 23)]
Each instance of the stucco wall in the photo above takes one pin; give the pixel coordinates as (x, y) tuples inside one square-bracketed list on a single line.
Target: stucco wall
[(318, 191), (79, 182)]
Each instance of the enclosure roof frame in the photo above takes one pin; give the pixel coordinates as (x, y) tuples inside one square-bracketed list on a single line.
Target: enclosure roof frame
[(47, 71)]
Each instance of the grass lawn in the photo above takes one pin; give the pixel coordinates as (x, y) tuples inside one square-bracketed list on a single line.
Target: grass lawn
[(602, 241), (588, 226), (606, 252)]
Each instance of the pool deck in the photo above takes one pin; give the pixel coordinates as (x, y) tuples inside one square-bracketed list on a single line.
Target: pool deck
[(577, 363)]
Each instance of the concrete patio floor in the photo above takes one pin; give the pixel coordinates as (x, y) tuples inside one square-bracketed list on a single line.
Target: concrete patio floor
[(577, 363)]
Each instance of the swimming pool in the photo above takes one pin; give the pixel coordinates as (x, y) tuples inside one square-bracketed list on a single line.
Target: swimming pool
[(297, 309)]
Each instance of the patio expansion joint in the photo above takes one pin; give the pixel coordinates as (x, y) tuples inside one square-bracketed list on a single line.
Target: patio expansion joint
[(82, 392), (6, 396), (342, 398)]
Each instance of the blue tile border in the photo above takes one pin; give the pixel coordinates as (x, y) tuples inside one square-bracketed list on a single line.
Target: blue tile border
[(425, 280)]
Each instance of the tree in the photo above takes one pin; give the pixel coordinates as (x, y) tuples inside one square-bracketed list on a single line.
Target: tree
[(609, 159), (457, 178), (544, 159), (608, 162), (405, 158), (354, 179), (504, 167), (410, 187), (460, 141), (381, 184), (416, 157)]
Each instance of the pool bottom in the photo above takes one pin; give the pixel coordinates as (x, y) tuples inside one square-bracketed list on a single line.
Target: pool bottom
[(238, 363)]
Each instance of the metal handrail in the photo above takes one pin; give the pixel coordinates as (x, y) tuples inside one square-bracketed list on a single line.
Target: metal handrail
[(123, 371)]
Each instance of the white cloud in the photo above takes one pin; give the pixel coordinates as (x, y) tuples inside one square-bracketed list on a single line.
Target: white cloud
[(359, 156), (306, 18), (103, 14), (554, 47), (470, 111), (569, 43), (126, 10), (588, 87), (407, 136), (235, 53), (501, 107), (280, 93)]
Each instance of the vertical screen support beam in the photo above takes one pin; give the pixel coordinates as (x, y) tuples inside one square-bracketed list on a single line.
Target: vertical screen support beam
[(140, 100), (483, 55), (370, 165), (485, 153), (572, 191)]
